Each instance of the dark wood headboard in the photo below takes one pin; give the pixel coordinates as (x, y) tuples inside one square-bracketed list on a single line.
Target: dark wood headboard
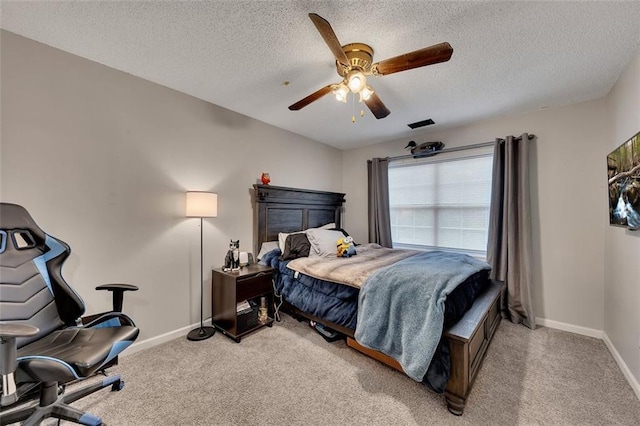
[(280, 209)]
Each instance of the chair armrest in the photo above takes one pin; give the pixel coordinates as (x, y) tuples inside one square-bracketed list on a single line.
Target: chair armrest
[(118, 291), (9, 332)]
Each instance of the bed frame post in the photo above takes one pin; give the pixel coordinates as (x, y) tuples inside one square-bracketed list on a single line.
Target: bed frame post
[(458, 384)]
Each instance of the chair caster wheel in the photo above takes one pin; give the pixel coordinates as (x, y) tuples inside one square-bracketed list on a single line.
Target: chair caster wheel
[(117, 386)]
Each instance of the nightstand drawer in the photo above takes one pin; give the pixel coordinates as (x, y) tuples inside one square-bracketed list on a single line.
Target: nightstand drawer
[(247, 288)]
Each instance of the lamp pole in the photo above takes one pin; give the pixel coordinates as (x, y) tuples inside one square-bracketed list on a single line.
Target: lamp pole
[(201, 204)]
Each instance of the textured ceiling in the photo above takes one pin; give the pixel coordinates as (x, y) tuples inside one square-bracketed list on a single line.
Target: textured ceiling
[(509, 57)]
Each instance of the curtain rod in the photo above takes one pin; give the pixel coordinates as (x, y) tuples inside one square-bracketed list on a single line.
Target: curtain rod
[(455, 148)]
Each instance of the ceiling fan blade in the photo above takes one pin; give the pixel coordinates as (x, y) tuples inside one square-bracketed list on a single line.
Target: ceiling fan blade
[(419, 58), (311, 98), (325, 30), (376, 106)]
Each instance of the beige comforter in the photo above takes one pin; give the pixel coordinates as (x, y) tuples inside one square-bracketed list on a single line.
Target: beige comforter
[(352, 271)]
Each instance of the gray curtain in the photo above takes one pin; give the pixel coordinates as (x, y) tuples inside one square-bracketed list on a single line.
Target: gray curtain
[(379, 220), (509, 245)]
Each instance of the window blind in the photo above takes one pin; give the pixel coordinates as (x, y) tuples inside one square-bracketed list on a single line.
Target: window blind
[(441, 203)]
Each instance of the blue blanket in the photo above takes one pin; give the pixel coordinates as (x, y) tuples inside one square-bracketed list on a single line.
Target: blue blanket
[(326, 300), (401, 306)]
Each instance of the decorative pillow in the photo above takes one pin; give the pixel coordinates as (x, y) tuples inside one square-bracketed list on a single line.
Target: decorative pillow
[(323, 242), (267, 246), (282, 238), (295, 246)]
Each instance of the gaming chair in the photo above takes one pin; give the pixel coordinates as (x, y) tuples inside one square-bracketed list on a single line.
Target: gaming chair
[(44, 344)]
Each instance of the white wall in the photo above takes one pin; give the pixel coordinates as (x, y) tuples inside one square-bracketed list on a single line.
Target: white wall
[(569, 202), (622, 247), (101, 159)]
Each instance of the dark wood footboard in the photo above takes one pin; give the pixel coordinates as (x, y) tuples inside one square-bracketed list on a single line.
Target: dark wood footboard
[(468, 340)]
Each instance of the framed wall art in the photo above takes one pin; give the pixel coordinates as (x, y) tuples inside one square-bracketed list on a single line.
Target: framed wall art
[(623, 172)]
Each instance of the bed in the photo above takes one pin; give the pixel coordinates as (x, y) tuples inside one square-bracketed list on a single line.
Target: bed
[(471, 309)]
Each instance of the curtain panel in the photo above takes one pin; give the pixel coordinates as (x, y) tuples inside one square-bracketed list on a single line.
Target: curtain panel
[(378, 189), (509, 249)]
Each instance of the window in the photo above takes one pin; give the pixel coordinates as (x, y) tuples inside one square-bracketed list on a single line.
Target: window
[(441, 203)]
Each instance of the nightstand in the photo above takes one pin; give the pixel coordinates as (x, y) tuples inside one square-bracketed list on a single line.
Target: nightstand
[(230, 290)]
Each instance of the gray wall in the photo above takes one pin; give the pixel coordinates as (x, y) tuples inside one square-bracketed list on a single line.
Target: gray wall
[(622, 247), (568, 203), (102, 159), (586, 275)]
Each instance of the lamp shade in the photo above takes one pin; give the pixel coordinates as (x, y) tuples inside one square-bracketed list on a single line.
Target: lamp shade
[(202, 204)]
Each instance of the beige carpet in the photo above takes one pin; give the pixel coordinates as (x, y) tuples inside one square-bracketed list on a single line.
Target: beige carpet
[(289, 375)]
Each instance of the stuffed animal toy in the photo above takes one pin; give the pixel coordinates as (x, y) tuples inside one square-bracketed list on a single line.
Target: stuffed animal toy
[(346, 247)]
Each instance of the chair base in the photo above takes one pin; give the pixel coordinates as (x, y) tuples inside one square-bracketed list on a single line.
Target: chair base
[(57, 406), (201, 333)]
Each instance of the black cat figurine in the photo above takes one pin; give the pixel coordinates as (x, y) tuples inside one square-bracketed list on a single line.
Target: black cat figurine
[(232, 259)]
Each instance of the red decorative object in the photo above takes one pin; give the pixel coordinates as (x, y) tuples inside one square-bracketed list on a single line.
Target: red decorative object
[(265, 178)]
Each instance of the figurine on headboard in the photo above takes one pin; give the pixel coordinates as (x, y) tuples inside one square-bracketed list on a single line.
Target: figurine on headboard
[(232, 259), (265, 178)]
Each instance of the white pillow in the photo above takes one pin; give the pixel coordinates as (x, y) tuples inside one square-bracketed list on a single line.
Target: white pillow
[(323, 242), (328, 226), (267, 246)]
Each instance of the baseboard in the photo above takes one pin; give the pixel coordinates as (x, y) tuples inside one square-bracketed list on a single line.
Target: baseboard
[(635, 385), (585, 331), (156, 340)]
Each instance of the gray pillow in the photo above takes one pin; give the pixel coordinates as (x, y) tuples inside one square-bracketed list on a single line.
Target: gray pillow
[(324, 242)]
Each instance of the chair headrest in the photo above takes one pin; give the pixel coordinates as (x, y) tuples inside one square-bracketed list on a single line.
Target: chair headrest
[(14, 216)]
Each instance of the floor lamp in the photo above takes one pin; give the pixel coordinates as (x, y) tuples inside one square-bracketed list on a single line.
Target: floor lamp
[(201, 204)]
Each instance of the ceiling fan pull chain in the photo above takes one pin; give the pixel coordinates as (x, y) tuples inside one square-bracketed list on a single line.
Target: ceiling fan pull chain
[(353, 108)]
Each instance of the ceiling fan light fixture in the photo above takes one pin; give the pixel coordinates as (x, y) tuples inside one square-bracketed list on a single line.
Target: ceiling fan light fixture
[(341, 91), (366, 93), (354, 61), (356, 81)]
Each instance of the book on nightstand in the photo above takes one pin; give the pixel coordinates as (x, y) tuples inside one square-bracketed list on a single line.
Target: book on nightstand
[(243, 307)]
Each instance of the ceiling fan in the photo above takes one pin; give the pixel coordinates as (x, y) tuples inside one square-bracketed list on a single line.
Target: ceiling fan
[(354, 62)]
